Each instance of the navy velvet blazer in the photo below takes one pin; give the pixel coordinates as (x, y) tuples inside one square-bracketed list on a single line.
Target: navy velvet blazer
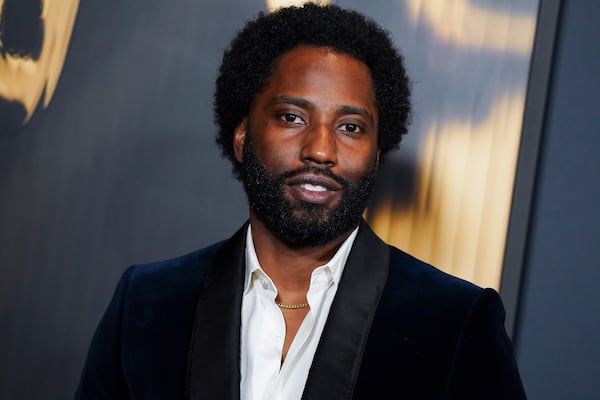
[(397, 329)]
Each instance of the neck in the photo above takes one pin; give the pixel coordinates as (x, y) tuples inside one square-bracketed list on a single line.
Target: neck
[(290, 267)]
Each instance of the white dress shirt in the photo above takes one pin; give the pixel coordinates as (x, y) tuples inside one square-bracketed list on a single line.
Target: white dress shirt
[(263, 377)]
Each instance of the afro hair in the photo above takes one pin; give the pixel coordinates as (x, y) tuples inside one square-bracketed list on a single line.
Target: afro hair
[(249, 62)]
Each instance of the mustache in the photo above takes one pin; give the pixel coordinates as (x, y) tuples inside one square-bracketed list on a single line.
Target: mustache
[(315, 170)]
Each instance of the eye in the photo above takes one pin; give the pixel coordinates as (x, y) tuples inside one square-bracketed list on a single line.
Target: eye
[(292, 119), (350, 128)]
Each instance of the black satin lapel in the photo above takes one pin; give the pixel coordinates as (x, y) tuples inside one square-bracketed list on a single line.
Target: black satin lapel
[(337, 360), (213, 365)]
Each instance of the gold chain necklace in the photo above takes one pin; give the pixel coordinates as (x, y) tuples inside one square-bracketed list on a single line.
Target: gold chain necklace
[(291, 306)]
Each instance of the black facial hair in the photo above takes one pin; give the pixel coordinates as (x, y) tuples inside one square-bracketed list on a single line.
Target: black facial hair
[(301, 224)]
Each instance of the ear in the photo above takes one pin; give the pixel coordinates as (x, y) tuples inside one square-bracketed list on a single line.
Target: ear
[(239, 138)]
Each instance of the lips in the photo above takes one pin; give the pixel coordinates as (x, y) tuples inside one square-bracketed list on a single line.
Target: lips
[(314, 189)]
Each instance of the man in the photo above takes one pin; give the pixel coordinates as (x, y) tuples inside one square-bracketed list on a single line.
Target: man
[(304, 301)]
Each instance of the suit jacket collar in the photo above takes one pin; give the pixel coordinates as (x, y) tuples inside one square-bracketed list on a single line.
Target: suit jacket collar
[(337, 360), (214, 361), (214, 356)]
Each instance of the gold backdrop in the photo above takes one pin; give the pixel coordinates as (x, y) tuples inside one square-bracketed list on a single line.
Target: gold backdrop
[(458, 217), (24, 79)]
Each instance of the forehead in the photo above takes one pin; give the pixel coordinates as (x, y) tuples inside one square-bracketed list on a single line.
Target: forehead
[(312, 54), (321, 70)]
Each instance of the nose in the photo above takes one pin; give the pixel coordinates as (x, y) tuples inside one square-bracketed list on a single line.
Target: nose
[(319, 146)]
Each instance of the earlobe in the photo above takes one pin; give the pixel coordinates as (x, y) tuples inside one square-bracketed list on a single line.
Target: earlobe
[(239, 138)]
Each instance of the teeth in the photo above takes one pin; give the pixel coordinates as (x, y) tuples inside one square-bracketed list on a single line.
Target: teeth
[(313, 188)]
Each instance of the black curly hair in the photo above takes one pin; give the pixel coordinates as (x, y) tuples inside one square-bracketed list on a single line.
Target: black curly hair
[(249, 62)]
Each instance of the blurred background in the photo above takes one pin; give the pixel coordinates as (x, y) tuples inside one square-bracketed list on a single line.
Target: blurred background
[(107, 158)]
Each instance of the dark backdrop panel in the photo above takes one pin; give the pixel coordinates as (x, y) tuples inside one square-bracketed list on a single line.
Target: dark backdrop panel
[(121, 168), (558, 345)]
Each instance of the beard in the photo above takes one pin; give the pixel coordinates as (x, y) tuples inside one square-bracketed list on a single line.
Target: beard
[(297, 223)]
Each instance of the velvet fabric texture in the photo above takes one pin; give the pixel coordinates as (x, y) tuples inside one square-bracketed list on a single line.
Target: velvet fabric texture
[(397, 329)]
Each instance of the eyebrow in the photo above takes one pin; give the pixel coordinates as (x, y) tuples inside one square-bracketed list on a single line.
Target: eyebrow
[(295, 101), (303, 103)]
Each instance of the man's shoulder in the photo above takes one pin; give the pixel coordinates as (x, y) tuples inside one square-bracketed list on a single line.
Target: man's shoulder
[(180, 280), (415, 288), (406, 269), (408, 275), (175, 276), (187, 263)]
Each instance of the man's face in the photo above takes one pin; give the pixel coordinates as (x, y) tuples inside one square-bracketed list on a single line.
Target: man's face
[(309, 146)]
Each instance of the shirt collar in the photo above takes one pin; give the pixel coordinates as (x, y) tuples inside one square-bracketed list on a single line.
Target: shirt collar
[(333, 268)]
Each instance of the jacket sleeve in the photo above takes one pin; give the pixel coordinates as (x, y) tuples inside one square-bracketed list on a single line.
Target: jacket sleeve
[(484, 365), (102, 376)]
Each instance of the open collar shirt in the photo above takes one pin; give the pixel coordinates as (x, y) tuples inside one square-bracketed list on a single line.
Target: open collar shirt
[(263, 376)]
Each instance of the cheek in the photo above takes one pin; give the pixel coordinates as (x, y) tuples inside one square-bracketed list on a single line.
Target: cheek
[(276, 158), (275, 151), (358, 162)]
